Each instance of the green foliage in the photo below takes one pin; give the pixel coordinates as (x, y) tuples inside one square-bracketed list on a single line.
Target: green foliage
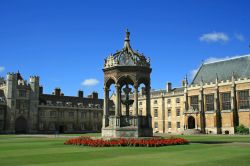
[(242, 130)]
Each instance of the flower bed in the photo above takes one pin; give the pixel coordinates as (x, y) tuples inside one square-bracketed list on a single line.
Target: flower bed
[(148, 142)]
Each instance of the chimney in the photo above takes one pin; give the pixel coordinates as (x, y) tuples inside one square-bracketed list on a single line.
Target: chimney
[(80, 94), (94, 95), (168, 87), (40, 89), (57, 92)]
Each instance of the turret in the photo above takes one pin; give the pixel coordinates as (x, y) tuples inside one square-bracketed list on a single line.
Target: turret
[(34, 86), (11, 84)]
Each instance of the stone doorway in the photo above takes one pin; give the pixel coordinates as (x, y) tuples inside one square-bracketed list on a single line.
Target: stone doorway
[(21, 125), (61, 129), (191, 122)]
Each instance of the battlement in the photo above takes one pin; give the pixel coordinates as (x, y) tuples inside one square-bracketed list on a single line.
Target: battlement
[(220, 83), (11, 76), (70, 105), (34, 79)]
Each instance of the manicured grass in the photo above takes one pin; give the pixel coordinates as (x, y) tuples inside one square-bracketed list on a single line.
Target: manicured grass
[(15, 150), (216, 138)]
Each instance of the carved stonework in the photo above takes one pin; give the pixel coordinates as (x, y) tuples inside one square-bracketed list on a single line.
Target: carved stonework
[(124, 68)]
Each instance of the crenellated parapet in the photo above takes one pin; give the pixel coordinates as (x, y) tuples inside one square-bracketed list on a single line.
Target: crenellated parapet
[(220, 83)]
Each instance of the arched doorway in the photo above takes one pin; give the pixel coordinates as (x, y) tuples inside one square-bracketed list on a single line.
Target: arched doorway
[(21, 125), (191, 122)]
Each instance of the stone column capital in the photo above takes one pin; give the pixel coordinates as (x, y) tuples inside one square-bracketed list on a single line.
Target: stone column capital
[(117, 85)]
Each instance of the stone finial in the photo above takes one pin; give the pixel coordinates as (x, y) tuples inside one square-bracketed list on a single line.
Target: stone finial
[(216, 79)]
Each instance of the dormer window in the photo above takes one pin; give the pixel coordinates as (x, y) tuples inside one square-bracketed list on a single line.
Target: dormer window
[(80, 104), (22, 93), (69, 104), (59, 103), (49, 102)]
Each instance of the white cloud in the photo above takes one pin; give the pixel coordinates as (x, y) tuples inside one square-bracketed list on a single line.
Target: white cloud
[(239, 37), (2, 68), (90, 82), (214, 37)]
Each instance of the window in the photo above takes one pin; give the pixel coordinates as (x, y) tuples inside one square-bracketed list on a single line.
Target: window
[(49, 102), (210, 102), (155, 101), (177, 100), (41, 126), (22, 93), (69, 104), (156, 124), (71, 114), (52, 113), (61, 114), (82, 126), (169, 112), (140, 103), (169, 101), (1, 111), (59, 103), (178, 124), (169, 125), (95, 114), (244, 99), (70, 126), (83, 114), (42, 113), (226, 101), (194, 102), (178, 112), (140, 112), (52, 126), (155, 112), (80, 104)]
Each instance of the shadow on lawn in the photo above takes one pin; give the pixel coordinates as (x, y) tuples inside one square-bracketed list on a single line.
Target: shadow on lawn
[(211, 142)]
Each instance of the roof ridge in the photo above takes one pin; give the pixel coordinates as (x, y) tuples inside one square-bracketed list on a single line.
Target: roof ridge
[(228, 59)]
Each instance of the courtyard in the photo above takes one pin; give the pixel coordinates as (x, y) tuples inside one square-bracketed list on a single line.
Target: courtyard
[(50, 150)]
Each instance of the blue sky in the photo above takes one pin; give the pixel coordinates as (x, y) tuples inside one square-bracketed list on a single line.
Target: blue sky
[(65, 41)]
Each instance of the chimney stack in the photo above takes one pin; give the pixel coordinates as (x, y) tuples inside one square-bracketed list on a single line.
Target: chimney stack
[(57, 92), (80, 94), (168, 87)]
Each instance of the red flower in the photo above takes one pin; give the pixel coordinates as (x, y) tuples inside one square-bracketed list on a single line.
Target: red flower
[(149, 142)]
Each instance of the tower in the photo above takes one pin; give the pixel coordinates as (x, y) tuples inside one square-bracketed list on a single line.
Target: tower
[(34, 101), (123, 69), (11, 86)]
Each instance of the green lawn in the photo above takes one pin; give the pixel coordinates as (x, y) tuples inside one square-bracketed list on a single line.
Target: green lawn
[(15, 150)]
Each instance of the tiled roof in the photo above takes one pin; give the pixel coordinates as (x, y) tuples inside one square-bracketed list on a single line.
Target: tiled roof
[(239, 66), (43, 98)]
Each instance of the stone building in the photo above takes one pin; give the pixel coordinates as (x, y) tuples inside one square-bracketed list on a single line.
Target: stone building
[(24, 108), (216, 101), (218, 98)]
